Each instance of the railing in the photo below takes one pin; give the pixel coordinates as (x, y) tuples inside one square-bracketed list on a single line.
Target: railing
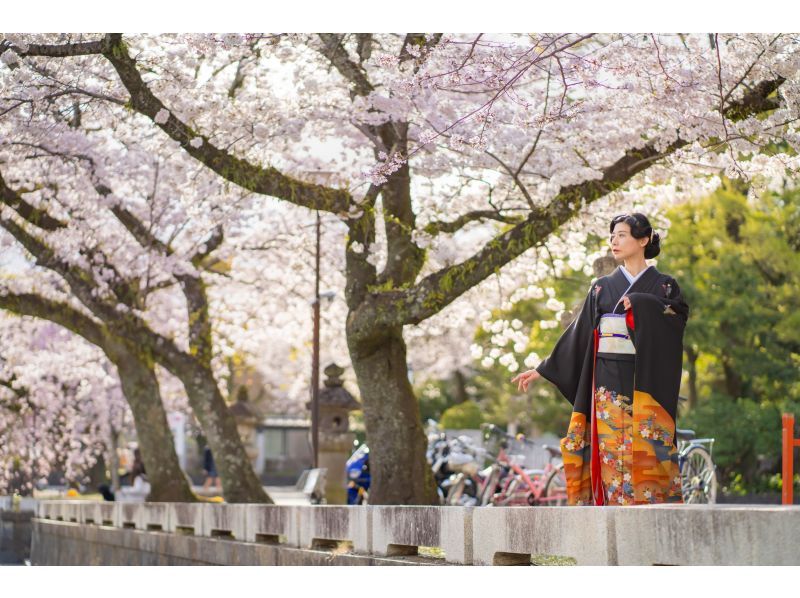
[(787, 476)]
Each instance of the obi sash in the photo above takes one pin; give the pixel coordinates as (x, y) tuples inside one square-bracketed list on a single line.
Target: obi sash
[(613, 335)]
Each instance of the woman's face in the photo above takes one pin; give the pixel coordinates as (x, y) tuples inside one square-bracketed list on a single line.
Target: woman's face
[(623, 244)]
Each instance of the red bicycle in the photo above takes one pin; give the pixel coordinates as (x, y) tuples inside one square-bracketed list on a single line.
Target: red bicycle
[(507, 483)]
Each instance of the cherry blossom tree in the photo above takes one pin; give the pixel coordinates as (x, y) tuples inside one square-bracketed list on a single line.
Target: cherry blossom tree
[(79, 259), (450, 156), (60, 404), (139, 251), (138, 382)]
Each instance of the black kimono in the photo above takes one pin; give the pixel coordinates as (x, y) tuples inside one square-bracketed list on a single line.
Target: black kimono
[(622, 451)]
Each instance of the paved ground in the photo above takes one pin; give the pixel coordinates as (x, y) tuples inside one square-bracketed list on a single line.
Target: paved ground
[(282, 495)]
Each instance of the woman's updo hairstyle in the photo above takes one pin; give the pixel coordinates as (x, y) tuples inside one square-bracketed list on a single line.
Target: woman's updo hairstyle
[(640, 229)]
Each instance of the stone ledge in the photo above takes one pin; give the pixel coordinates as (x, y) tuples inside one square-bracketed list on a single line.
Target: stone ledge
[(63, 543), (404, 529), (640, 535)]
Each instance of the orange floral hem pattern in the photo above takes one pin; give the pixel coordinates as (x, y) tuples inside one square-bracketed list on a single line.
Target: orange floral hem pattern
[(638, 458)]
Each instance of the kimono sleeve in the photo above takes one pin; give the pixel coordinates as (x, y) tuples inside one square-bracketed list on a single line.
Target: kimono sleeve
[(658, 339), (564, 365), (674, 298), (672, 301)]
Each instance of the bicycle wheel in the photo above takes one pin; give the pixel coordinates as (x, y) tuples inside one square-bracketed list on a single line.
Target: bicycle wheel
[(555, 489), (698, 477), (455, 491), (490, 488)]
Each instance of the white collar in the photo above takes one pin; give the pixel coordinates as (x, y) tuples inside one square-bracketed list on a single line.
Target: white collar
[(631, 278)]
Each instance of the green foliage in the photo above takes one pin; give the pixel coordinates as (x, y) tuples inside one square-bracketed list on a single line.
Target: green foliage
[(434, 398), (737, 260), (747, 435), (463, 416), (738, 265)]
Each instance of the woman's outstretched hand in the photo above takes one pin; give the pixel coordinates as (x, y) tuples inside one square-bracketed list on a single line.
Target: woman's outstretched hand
[(525, 378)]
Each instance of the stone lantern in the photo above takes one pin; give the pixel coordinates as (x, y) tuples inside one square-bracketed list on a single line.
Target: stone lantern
[(335, 438), (246, 422)]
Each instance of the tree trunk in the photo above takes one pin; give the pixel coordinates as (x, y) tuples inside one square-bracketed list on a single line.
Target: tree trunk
[(459, 387), (400, 472), (240, 484), (733, 381), (140, 385)]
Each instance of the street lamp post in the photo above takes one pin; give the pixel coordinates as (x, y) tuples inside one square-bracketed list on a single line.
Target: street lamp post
[(315, 358), (322, 177)]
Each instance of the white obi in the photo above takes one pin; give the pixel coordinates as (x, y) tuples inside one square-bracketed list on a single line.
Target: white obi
[(614, 336)]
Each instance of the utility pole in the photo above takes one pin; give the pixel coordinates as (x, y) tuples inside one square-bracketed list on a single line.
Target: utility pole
[(315, 358)]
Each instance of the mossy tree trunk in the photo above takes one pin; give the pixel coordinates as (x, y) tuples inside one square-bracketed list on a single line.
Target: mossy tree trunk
[(140, 385), (399, 470), (240, 484)]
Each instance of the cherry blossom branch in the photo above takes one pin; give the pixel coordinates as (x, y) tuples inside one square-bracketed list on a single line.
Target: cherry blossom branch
[(435, 228), (80, 281), (439, 289), (264, 180), (28, 212), (736, 85), (434, 292), (84, 287), (58, 50), (31, 304), (425, 45), (336, 53), (193, 286), (506, 85)]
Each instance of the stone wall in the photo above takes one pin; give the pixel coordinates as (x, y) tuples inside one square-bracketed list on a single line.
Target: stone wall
[(72, 532), (61, 543), (15, 536)]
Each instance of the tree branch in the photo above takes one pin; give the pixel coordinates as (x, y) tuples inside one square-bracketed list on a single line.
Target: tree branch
[(758, 99), (334, 51), (125, 291), (211, 245), (434, 228), (80, 281), (193, 287), (425, 45), (439, 289), (59, 50), (30, 304), (263, 180), (34, 215)]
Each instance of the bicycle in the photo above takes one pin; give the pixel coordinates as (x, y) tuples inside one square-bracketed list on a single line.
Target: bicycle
[(530, 487), (696, 465), (463, 462)]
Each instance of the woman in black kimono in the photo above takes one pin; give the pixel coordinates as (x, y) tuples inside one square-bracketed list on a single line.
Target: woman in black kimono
[(619, 365)]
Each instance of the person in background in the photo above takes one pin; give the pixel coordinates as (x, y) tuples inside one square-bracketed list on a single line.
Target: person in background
[(138, 466), (106, 492), (210, 469)]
